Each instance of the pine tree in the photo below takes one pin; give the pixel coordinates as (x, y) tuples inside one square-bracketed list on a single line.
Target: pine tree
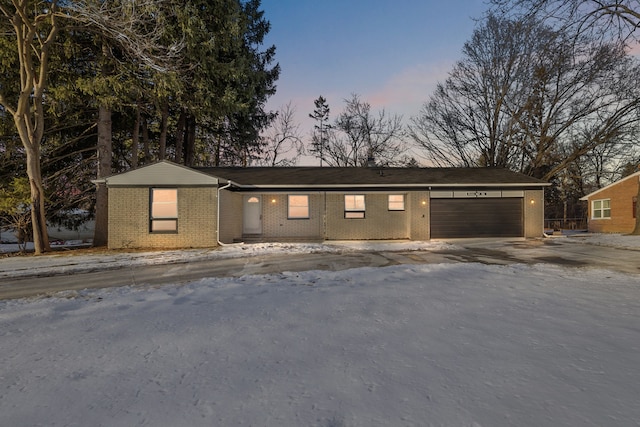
[(321, 129)]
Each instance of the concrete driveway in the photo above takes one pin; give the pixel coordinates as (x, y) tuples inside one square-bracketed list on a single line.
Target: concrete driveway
[(561, 251), (567, 252)]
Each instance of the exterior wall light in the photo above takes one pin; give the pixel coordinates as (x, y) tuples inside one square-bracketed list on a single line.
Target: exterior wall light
[(532, 202), (424, 202), (273, 200)]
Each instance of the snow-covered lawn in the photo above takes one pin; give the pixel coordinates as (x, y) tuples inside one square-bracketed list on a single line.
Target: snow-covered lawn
[(611, 240), (412, 345)]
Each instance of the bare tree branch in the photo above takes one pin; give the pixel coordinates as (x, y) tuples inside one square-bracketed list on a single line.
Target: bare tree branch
[(282, 141), (358, 136), (134, 25)]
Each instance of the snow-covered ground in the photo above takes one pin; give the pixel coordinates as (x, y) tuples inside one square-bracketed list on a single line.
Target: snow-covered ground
[(411, 345), (611, 240), (77, 262)]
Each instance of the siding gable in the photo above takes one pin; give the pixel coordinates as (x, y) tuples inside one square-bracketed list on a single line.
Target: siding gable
[(163, 173)]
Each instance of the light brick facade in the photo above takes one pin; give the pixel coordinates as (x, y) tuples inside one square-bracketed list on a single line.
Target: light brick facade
[(230, 216), (379, 222), (197, 223), (276, 224), (326, 217), (621, 196), (533, 213), (129, 225), (419, 211), (250, 209)]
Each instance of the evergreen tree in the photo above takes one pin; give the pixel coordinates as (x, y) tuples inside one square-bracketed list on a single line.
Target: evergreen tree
[(321, 129)]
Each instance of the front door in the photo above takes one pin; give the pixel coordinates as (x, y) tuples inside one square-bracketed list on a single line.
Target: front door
[(252, 219)]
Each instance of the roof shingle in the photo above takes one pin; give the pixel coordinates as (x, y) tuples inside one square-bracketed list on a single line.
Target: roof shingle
[(326, 177)]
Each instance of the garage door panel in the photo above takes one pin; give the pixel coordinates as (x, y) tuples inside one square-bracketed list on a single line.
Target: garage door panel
[(489, 217)]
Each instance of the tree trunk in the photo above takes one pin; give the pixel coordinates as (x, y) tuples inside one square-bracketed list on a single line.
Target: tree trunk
[(38, 220), (135, 141), (105, 154), (164, 120), (180, 132), (146, 155), (30, 141), (190, 141), (218, 150), (33, 43)]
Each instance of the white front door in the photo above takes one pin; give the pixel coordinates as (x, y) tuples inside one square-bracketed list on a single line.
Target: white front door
[(252, 218)]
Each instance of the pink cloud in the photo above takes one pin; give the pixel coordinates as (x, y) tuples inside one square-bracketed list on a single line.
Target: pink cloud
[(634, 49), (405, 92)]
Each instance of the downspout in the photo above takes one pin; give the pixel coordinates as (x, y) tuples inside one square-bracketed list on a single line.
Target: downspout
[(324, 217), (229, 183)]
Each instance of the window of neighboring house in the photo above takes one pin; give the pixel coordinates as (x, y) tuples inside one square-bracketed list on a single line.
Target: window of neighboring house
[(298, 207), (635, 201), (601, 209), (164, 210), (396, 202), (354, 206)]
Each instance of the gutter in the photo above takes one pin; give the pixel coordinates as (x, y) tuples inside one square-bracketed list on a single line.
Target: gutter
[(320, 187)]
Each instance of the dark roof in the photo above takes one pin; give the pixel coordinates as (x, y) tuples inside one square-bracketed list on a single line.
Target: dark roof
[(329, 177)]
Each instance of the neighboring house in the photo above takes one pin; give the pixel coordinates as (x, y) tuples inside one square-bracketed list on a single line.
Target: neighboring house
[(171, 206), (612, 209)]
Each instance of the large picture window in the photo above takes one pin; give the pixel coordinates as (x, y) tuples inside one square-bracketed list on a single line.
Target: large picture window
[(396, 202), (354, 206), (164, 210), (298, 207), (601, 209)]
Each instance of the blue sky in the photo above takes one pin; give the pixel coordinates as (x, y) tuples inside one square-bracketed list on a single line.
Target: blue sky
[(391, 53)]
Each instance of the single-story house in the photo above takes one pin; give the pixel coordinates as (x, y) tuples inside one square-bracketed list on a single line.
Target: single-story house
[(612, 209), (171, 206)]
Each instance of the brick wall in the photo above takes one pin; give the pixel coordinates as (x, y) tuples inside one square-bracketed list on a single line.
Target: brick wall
[(379, 222), (129, 219), (230, 216), (276, 224), (621, 196), (418, 206)]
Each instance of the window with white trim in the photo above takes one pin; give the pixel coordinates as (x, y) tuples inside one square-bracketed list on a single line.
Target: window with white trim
[(163, 210), (354, 206), (396, 202), (601, 209), (298, 207)]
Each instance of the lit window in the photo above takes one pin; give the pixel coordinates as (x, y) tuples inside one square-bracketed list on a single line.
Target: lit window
[(354, 206), (164, 210), (601, 209), (298, 207), (396, 202)]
